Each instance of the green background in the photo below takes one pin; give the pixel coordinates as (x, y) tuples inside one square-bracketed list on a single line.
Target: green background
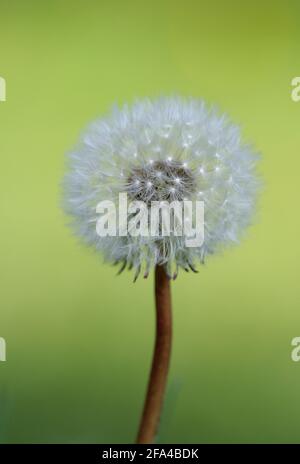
[(79, 339)]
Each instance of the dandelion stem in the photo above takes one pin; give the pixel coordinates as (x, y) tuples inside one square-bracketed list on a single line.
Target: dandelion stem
[(161, 358)]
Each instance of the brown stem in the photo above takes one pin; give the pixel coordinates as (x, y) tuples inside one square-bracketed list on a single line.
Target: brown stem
[(161, 358)]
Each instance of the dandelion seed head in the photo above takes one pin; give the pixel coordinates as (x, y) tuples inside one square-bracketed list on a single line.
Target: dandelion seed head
[(162, 150)]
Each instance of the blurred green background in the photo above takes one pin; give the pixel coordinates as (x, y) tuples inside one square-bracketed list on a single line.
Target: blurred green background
[(79, 339)]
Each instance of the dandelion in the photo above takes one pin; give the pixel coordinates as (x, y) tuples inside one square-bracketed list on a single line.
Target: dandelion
[(169, 149)]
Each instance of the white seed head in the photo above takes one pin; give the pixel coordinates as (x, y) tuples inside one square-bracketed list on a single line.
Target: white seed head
[(146, 143)]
